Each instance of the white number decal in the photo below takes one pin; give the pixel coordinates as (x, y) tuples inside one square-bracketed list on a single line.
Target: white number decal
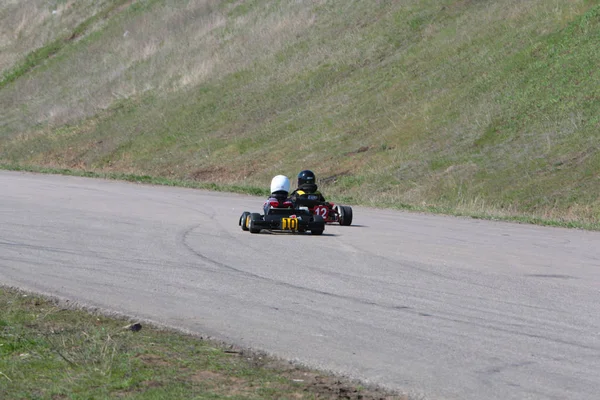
[(322, 211)]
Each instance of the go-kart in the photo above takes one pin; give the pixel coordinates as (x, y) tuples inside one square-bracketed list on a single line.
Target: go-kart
[(286, 219), (330, 212)]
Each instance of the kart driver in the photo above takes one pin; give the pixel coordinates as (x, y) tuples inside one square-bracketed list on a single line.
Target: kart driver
[(307, 188), (280, 188)]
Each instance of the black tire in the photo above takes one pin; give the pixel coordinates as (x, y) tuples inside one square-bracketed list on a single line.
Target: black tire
[(320, 222), (254, 218), (244, 220), (346, 215)]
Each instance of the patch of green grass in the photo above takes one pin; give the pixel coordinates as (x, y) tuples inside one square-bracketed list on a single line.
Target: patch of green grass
[(32, 60), (51, 350)]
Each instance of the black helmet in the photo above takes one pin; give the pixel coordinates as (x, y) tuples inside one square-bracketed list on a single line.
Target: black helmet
[(306, 176)]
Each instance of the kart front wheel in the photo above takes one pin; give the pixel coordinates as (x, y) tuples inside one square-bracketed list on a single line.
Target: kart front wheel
[(244, 220)]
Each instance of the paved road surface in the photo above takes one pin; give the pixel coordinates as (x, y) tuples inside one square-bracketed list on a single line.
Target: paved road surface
[(439, 307)]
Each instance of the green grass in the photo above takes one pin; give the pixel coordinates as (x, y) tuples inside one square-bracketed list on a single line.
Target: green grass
[(49, 350), (473, 108)]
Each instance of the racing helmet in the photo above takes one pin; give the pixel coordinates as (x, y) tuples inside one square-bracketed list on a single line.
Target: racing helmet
[(306, 176), (280, 183)]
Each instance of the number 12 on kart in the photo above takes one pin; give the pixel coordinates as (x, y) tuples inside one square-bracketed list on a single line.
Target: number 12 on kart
[(321, 210), (289, 224)]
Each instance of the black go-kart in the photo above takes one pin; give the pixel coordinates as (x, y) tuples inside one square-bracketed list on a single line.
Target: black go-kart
[(283, 220)]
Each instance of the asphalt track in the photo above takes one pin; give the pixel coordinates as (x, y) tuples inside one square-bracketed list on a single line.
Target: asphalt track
[(439, 307)]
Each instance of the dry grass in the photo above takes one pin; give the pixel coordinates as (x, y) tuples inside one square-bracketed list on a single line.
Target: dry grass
[(26, 25)]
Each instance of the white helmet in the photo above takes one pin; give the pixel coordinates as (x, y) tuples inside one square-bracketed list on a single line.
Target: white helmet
[(280, 183)]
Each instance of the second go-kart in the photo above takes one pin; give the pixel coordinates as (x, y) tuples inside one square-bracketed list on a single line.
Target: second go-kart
[(283, 220), (330, 212)]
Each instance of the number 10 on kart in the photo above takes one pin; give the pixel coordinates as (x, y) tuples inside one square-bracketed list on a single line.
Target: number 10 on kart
[(289, 224)]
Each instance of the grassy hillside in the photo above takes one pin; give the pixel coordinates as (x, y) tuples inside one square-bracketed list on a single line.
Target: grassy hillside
[(467, 106)]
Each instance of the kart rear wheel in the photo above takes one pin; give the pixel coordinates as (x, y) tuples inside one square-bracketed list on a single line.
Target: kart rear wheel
[(253, 225), (346, 215), (244, 220)]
